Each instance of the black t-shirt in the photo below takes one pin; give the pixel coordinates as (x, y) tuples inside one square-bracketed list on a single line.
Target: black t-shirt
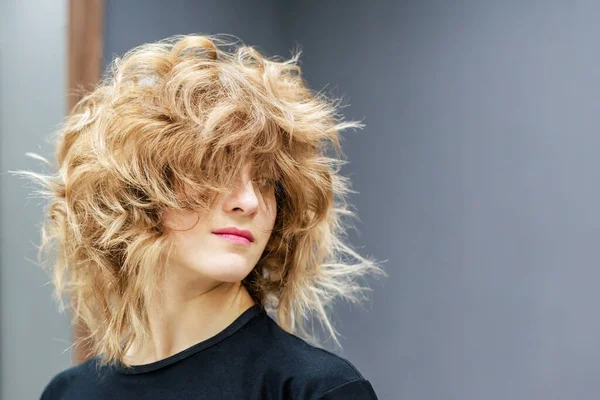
[(252, 358)]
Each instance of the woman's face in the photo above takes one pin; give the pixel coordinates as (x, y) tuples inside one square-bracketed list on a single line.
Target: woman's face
[(250, 207)]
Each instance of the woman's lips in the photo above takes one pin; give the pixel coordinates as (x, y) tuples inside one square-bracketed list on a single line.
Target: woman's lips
[(234, 238)]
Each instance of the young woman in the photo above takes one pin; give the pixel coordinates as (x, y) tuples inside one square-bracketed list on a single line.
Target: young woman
[(197, 214)]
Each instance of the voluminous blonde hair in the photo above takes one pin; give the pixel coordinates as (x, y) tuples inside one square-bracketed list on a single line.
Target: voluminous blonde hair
[(170, 125)]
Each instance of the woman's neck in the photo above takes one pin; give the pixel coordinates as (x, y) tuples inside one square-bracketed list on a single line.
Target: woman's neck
[(187, 317)]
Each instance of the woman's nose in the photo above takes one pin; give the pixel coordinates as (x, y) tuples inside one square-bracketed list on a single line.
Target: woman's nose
[(243, 198)]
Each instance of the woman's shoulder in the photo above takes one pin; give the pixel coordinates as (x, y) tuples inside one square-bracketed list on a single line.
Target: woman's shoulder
[(64, 381), (311, 369)]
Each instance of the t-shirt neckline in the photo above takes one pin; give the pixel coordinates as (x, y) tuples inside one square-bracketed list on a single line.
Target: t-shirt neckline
[(240, 321)]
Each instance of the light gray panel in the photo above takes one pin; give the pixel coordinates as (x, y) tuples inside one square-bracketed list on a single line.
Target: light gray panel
[(32, 103)]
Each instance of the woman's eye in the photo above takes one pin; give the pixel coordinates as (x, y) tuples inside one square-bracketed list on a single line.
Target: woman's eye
[(265, 182)]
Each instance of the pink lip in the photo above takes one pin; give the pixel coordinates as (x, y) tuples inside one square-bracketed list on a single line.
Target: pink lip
[(235, 238), (238, 235)]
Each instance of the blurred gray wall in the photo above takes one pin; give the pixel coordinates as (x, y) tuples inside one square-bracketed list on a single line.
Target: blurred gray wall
[(34, 335), (131, 23), (477, 175), (479, 179)]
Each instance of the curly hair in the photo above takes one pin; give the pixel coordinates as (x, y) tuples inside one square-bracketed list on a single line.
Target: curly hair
[(169, 126)]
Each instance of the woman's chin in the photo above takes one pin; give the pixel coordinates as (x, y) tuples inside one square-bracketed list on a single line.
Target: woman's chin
[(229, 272), (229, 276)]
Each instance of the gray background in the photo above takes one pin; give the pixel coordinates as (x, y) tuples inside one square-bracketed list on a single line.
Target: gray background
[(34, 336), (477, 175)]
